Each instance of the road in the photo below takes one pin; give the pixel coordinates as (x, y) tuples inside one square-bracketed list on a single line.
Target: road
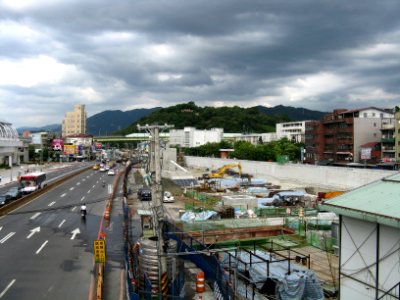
[(46, 248)]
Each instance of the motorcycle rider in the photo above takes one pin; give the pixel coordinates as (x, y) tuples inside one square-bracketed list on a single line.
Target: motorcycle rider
[(83, 210)]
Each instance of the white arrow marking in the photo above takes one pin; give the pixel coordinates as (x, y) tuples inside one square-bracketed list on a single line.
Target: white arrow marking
[(33, 231), (61, 224), (63, 195), (71, 189), (35, 216), (6, 237), (52, 203), (74, 233), (7, 288), (82, 198), (41, 247)]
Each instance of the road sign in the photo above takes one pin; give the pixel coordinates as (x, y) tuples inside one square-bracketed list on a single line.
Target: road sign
[(99, 248)]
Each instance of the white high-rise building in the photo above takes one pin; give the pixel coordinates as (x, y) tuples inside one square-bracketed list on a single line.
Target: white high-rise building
[(191, 137)]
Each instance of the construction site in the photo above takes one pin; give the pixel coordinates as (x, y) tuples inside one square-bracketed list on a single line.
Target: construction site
[(226, 234)]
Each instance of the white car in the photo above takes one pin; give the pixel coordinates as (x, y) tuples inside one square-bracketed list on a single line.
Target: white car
[(168, 198), (111, 172)]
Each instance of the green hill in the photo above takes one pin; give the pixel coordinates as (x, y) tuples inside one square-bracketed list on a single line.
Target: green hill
[(231, 119)]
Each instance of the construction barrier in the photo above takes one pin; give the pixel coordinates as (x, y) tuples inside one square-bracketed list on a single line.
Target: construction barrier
[(200, 282), (100, 281)]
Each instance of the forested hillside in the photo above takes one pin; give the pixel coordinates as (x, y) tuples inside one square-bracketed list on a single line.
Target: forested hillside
[(231, 119)]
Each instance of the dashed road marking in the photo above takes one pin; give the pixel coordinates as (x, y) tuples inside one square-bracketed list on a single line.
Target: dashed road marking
[(61, 224), (35, 216), (7, 288), (41, 247), (2, 241)]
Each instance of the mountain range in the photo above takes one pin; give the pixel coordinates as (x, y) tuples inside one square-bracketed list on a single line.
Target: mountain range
[(110, 121)]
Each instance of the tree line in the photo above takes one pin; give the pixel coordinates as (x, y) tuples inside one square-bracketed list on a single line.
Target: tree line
[(282, 149)]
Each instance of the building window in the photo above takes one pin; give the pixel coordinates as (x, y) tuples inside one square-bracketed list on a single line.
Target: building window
[(374, 124), (374, 134), (373, 114), (365, 115)]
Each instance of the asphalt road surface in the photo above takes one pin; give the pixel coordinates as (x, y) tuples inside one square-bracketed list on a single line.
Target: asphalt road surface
[(46, 249)]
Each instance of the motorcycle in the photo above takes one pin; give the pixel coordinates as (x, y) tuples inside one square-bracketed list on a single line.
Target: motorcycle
[(83, 211)]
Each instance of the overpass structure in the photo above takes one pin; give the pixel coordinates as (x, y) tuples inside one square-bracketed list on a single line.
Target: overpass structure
[(133, 137)]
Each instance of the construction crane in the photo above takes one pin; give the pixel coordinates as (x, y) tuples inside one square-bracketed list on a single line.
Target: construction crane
[(221, 171)]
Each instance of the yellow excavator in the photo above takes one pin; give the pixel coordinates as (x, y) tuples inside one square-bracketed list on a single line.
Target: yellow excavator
[(221, 171)]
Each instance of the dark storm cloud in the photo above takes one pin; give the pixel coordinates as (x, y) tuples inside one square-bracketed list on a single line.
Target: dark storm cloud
[(314, 54)]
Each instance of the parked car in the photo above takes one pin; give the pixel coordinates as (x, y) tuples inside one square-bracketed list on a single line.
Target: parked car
[(111, 172), (102, 169), (96, 167), (168, 198), (14, 193), (4, 199), (144, 194)]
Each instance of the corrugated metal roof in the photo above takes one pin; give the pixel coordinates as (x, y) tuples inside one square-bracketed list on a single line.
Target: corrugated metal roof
[(378, 202)]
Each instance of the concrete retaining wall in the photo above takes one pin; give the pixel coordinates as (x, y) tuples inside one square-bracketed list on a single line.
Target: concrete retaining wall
[(335, 178)]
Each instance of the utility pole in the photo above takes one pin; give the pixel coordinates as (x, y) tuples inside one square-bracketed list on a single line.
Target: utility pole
[(156, 189)]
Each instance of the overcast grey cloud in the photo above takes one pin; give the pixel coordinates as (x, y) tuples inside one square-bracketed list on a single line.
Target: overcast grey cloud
[(128, 54)]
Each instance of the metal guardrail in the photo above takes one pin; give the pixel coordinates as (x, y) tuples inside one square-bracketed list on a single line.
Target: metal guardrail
[(30, 197)]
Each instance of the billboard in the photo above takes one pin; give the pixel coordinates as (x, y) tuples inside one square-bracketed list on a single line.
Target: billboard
[(69, 149), (57, 145), (366, 153)]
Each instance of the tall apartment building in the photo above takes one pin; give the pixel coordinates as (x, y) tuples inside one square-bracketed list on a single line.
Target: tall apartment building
[(75, 121), (388, 145), (339, 136)]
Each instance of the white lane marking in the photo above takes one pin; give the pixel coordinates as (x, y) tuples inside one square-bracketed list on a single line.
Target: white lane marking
[(1, 228), (71, 189), (93, 186), (7, 288), (6, 237), (87, 176), (74, 233), (83, 179), (63, 195), (41, 247), (82, 198), (35, 216), (88, 191), (33, 231), (52, 203), (61, 224), (73, 208), (78, 183)]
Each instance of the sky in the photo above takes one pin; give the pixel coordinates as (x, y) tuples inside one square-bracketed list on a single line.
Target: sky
[(130, 54)]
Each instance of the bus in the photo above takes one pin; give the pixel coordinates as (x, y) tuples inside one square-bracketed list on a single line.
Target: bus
[(32, 182)]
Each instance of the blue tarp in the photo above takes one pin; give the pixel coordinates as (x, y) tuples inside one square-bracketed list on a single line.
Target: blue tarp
[(204, 215)]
